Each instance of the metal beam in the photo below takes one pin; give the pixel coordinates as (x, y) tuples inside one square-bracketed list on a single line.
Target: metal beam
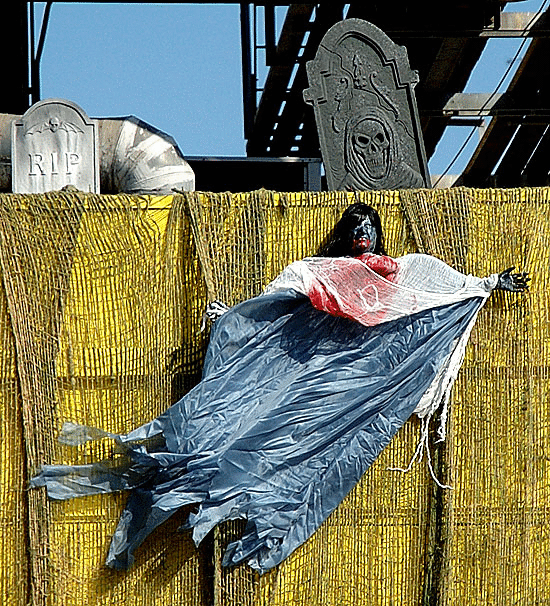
[(537, 171), (14, 48), (510, 169), (295, 111), (294, 29), (36, 55), (512, 25), (517, 25), (270, 41), (529, 88), (447, 74), (471, 104), (249, 79), (464, 105)]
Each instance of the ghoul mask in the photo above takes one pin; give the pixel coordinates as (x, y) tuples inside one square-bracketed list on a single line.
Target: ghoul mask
[(364, 238)]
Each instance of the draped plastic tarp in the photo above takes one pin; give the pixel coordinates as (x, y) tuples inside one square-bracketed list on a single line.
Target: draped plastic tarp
[(379, 546), (293, 406)]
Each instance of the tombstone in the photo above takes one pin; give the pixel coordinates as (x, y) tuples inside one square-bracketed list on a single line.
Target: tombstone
[(362, 91), (54, 144)]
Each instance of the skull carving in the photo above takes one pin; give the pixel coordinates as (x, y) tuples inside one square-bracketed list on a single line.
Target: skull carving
[(371, 144), (54, 123)]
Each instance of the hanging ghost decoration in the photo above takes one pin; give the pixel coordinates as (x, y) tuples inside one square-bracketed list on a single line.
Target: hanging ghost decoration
[(302, 388)]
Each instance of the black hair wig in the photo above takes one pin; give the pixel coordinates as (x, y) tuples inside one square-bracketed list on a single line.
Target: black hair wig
[(340, 241)]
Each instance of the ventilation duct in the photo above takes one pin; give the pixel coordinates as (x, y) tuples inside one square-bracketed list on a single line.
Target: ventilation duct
[(134, 158)]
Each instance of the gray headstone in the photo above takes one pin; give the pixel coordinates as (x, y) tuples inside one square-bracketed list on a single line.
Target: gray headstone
[(54, 144), (362, 90)]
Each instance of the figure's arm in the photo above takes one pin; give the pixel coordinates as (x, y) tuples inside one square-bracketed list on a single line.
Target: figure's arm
[(513, 282), (381, 264)]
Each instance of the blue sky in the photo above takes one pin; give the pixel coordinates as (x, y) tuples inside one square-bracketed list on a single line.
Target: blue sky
[(178, 68)]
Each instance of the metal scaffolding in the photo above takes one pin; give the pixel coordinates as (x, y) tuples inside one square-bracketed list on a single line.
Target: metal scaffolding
[(444, 43)]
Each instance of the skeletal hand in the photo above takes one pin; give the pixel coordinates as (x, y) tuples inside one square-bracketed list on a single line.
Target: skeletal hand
[(213, 311), (513, 282)]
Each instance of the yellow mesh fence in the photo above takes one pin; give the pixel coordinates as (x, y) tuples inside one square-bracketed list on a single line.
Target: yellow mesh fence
[(100, 308)]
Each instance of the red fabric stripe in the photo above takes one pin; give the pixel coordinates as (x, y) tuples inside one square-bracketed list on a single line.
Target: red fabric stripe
[(353, 287)]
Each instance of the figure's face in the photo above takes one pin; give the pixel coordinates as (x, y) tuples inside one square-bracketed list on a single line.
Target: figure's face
[(364, 238)]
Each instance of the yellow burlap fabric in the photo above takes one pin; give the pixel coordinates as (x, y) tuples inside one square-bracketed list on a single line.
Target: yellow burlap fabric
[(100, 308)]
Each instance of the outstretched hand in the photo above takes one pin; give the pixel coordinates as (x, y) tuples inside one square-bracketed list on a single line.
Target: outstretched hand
[(213, 311), (513, 282)]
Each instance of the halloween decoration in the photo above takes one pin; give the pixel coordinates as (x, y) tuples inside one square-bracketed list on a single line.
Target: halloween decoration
[(302, 388), (362, 90)]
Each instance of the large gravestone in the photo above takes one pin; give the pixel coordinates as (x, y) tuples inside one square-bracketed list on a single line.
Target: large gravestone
[(54, 144), (362, 89)]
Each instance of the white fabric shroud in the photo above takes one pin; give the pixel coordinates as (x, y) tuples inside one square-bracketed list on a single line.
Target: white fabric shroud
[(372, 289)]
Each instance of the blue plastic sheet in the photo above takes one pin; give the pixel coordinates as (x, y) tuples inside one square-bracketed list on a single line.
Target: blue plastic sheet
[(294, 405)]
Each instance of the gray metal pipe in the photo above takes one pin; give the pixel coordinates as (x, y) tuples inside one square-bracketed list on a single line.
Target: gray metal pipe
[(134, 158)]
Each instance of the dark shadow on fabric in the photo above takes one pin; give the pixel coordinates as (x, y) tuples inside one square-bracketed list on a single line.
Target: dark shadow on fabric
[(161, 558)]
